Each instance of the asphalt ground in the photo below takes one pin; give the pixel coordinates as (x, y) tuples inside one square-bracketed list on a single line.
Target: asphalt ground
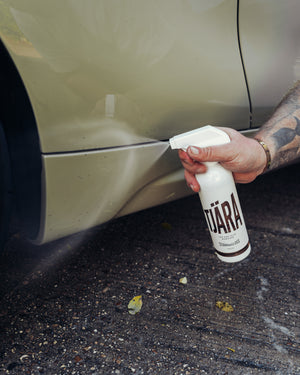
[(64, 305)]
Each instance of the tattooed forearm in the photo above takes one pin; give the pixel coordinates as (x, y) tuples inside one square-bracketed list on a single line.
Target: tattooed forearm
[(285, 157), (282, 131), (291, 98), (285, 136)]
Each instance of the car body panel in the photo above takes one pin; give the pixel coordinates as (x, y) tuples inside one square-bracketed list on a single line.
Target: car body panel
[(108, 81), (82, 191), (153, 68), (270, 43)]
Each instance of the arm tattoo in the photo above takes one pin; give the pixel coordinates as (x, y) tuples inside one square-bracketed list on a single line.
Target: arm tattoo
[(283, 129), (285, 136), (285, 157)]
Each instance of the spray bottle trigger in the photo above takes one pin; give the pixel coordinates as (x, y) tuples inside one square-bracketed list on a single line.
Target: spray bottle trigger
[(202, 137)]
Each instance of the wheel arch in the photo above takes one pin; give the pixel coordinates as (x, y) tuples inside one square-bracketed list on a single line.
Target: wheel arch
[(22, 137)]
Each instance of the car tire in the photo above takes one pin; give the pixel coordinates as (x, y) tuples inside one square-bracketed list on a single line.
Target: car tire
[(5, 189)]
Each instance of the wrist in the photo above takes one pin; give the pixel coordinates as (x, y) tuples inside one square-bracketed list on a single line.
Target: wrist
[(267, 153)]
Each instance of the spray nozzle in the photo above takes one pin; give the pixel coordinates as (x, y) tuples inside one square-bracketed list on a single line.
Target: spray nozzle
[(202, 137)]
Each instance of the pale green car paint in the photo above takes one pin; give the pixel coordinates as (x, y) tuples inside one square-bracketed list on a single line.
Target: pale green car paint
[(170, 65), (270, 43), (109, 80)]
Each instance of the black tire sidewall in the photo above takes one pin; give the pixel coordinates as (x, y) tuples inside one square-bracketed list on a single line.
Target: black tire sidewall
[(5, 189)]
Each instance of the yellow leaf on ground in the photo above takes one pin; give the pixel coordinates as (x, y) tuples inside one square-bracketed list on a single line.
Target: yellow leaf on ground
[(135, 305), (224, 306), (183, 280), (231, 349)]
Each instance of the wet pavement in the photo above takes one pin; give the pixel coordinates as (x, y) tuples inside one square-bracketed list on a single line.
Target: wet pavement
[(64, 305)]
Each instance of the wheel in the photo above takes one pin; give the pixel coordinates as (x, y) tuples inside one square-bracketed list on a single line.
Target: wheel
[(5, 189)]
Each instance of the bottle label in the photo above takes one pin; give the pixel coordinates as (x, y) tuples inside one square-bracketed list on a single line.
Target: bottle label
[(226, 223)]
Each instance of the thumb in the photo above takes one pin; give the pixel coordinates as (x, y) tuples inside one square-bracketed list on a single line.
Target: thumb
[(219, 153)]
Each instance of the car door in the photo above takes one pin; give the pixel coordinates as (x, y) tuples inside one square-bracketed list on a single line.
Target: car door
[(270, 44), (109, 73), (107, 82)]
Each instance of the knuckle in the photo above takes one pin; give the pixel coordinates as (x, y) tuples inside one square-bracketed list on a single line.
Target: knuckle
[(207, 153)]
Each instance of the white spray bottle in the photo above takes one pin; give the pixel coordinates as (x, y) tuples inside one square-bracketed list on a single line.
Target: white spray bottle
[(219, 197)]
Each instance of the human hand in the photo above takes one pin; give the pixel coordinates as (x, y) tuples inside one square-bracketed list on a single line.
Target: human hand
[(243, 156)]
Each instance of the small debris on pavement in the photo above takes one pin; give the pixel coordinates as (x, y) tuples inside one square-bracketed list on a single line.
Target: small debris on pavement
[(224, 306), (135, 305), (77, 359), (183, 280), (231, 349), (24, 357)]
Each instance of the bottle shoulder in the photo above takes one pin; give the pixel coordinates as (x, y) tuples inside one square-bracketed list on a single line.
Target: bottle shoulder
[(215, 175)]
